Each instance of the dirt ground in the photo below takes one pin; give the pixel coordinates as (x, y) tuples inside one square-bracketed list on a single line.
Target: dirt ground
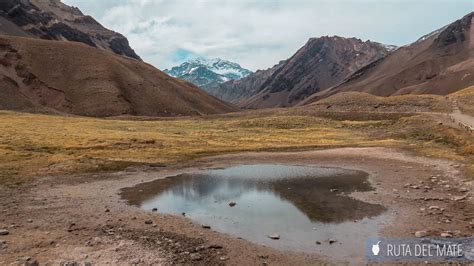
[(82, 218)]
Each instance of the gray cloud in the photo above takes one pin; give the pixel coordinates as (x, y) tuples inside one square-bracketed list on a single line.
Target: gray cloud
[(257, 34)]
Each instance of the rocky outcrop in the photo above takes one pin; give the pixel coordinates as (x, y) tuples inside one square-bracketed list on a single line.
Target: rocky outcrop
[(53, 20)]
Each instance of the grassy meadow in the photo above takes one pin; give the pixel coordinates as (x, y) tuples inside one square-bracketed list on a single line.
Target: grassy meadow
[(36, 145)]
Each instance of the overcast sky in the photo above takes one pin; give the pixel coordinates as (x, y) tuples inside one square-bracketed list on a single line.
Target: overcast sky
[(259, 33)]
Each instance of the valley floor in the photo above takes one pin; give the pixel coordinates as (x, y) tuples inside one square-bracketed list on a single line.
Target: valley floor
[(61, 175), (83, 219)]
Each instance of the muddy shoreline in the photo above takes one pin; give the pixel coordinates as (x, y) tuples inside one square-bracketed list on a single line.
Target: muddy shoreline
[(82, 218)]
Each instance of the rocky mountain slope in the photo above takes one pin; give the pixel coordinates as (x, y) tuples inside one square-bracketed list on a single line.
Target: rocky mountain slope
[(208, 73), (236, 91), (53, 20), (440, 63), (83, 80), (320, 64)]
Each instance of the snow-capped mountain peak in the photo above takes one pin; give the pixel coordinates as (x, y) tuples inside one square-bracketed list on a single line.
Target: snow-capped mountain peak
[(207, 72)]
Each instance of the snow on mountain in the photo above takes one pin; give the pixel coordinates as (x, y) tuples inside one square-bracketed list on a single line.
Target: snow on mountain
[(207, 73)]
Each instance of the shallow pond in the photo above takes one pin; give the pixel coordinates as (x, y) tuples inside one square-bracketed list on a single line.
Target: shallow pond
[(301, 204)]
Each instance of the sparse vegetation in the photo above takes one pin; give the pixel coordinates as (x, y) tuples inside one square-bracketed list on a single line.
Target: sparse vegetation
[(34, 144)]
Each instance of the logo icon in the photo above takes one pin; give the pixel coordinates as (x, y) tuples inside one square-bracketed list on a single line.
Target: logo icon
[(376, 249)]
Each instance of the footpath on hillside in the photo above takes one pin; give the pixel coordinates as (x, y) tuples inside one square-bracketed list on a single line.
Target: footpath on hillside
[(463, 120)]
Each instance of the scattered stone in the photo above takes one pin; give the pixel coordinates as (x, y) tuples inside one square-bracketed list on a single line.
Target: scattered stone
[(274, 236), (215, 246), (446, 234), (205, 226), (31, 262), (332, 241), (421, 233), (463, 189), (148, 222), (232, 204), (333, 190), (107, 210), (154, 209), (415, 187), (69, 263), (223, 258), (183, 213), (434, 207), (459, 198), (4, 232), (29, 221), (196, 256), (318, 243), (136, 261)]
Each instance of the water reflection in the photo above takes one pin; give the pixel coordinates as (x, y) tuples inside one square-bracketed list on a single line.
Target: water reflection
[(289, 200)]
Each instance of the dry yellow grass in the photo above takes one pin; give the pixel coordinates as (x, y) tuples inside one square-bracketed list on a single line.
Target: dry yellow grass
[(34, 144)]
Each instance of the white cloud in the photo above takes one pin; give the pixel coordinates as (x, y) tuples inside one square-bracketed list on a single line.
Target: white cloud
[(257, 34)]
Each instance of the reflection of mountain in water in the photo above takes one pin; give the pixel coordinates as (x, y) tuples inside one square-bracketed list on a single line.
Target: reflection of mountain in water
[(308, 189)]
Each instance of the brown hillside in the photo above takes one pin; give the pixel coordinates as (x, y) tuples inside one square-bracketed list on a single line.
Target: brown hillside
[(365, 102), (75, 78), (320, 64), (439, 63)]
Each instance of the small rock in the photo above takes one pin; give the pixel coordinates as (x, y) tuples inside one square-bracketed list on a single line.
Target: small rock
[(205, 226), (415, 187), (446, 234), (223, 258), (29, 220), (318, 243), (31, 262), (135, 261), (183, 213), (148, 222), (196, 256), (332, 241), (274, 236), (232, 204), (434, 208), (4, 232), (215, 246), (421, 233), (107, 210), (154, 209), (463, 189), (333, 190), (459, 198)]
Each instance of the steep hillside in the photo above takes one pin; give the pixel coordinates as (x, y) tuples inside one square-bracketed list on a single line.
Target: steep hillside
[(441, 62), (70, 77), (53, 20), (318, 65)]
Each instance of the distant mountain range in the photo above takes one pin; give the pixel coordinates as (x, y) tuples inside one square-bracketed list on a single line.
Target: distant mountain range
[(208, 73)]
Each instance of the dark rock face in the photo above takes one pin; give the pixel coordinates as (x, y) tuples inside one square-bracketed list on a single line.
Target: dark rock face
[(318, 65), (53, 20), (235, 91)]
